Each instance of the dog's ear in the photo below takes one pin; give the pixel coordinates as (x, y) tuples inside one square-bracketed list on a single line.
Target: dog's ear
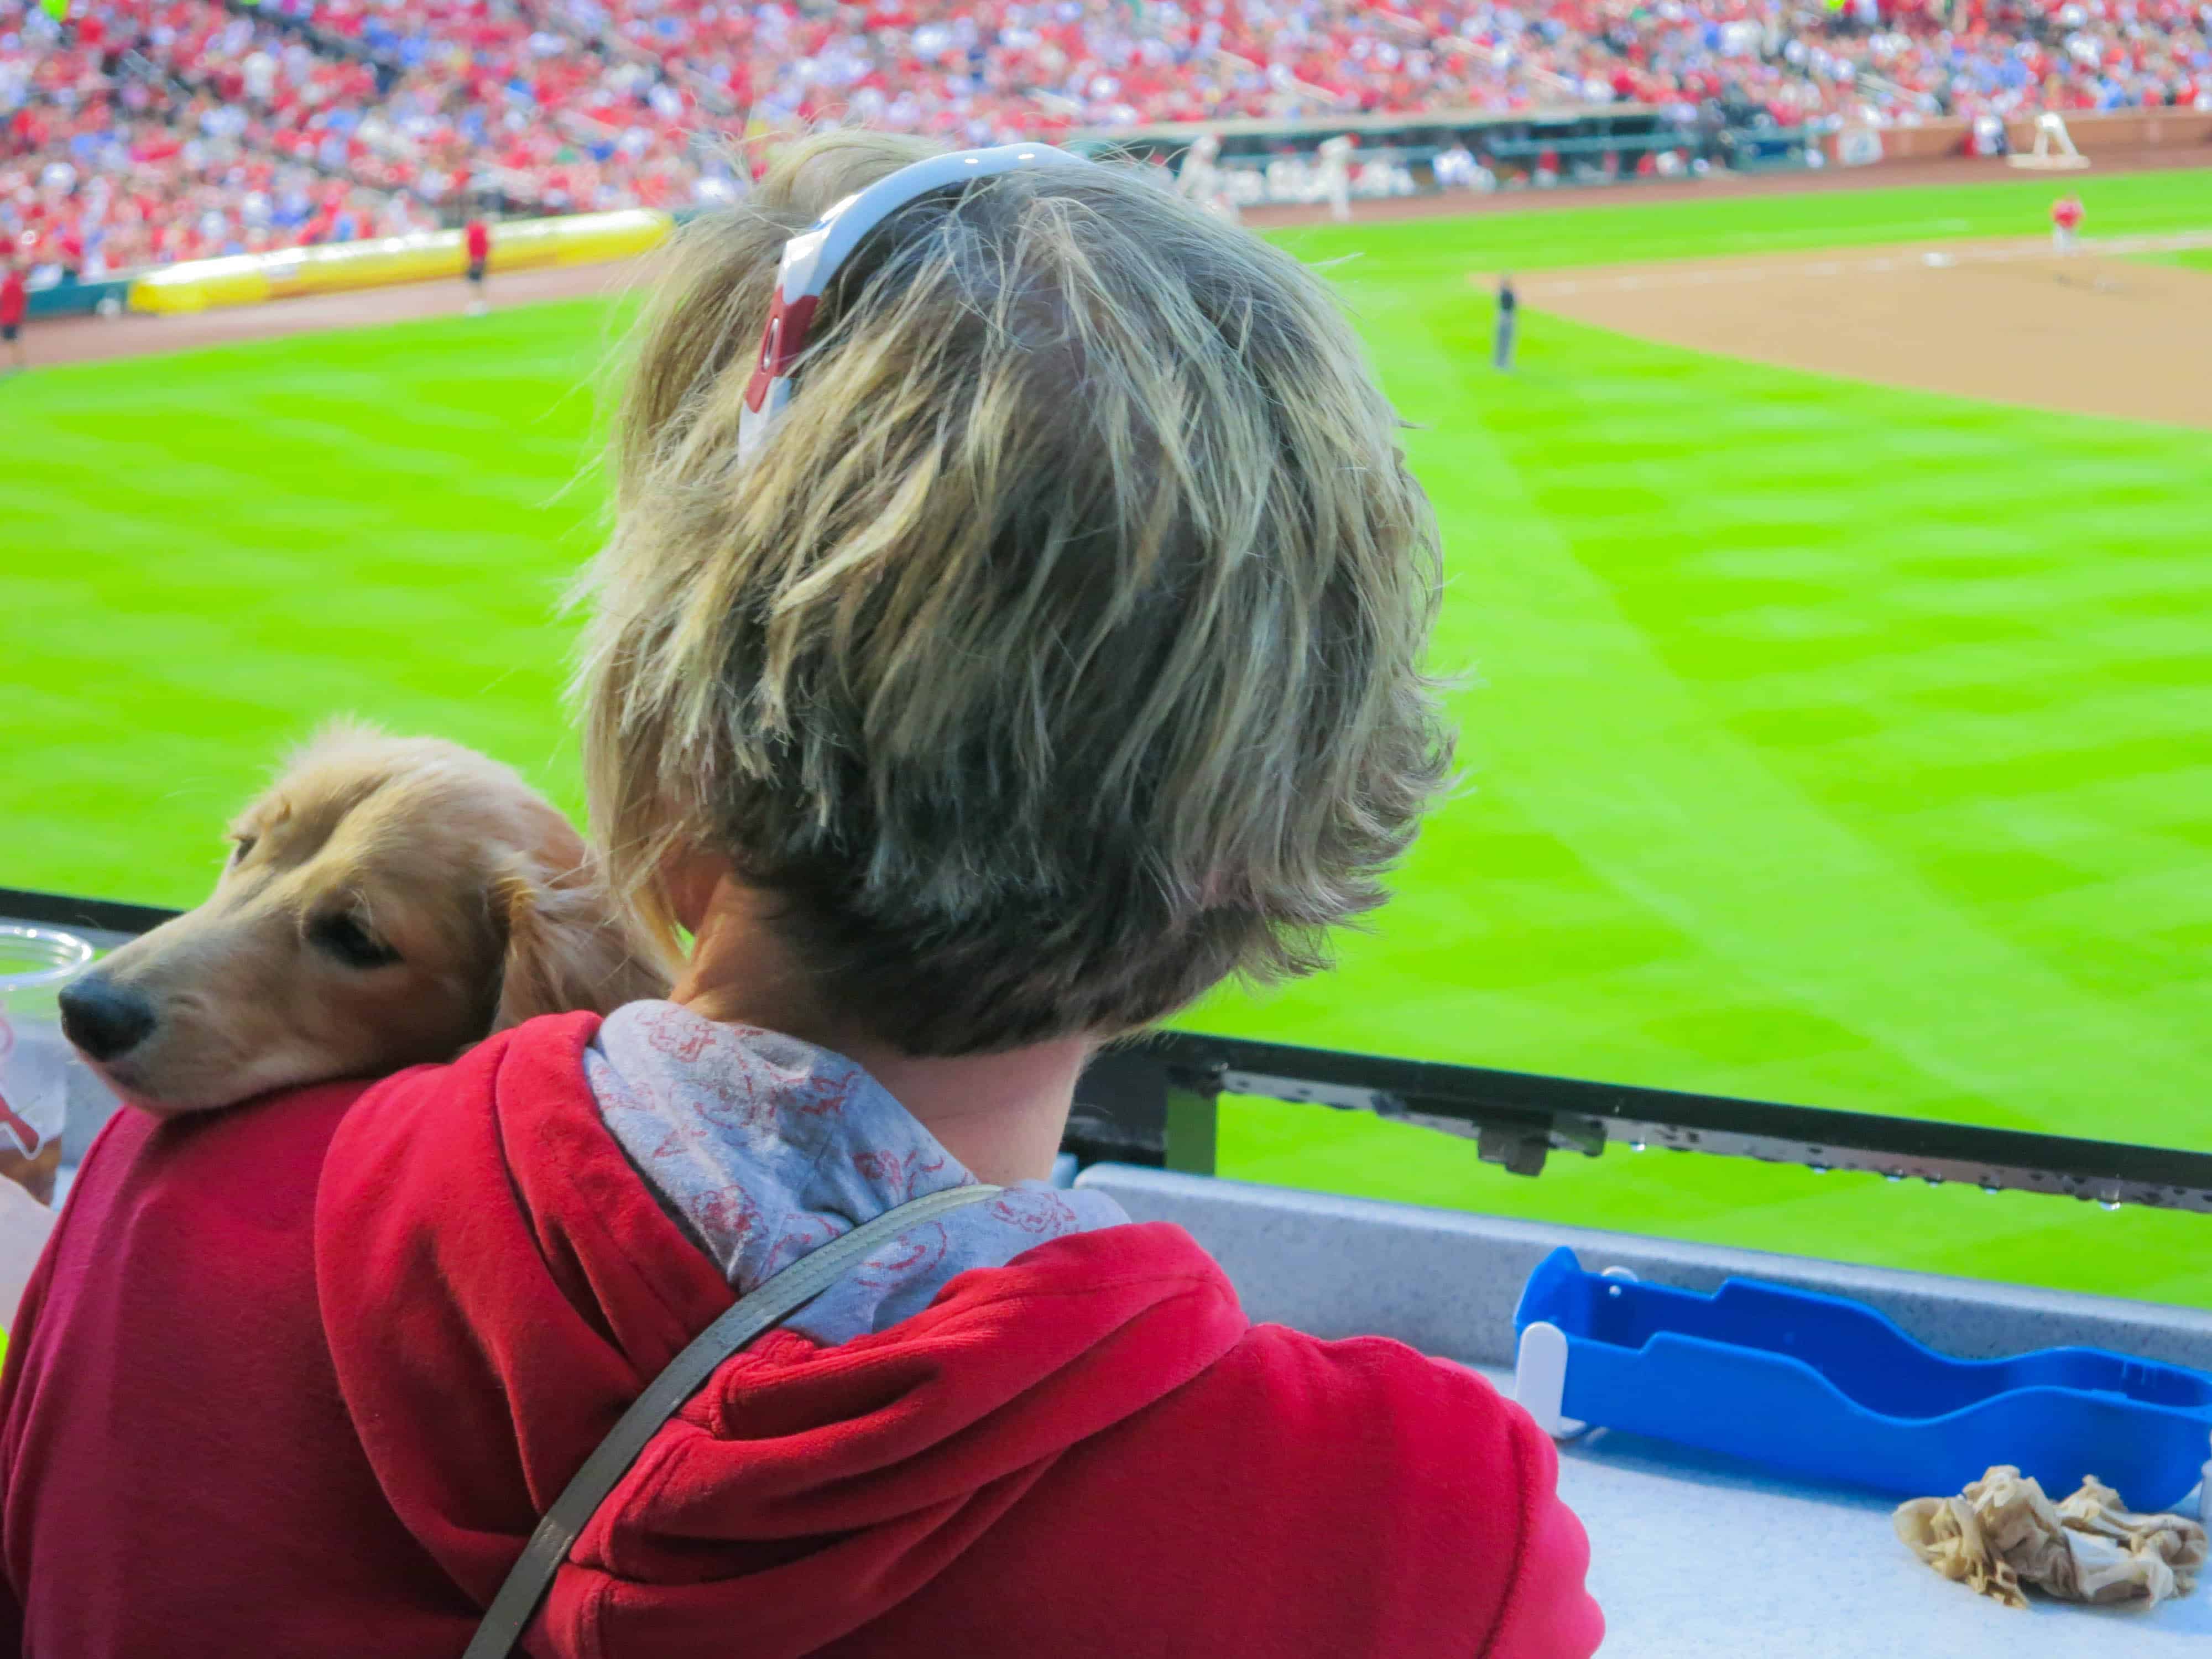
[(566, 947)]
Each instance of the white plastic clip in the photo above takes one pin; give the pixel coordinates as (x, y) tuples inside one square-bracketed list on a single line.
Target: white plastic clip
[(1540, 1379)]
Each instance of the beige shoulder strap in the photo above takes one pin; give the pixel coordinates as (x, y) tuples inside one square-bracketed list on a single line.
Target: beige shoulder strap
[(767, 1305)]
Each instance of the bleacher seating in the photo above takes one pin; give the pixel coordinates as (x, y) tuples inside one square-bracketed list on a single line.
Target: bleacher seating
[(140, 131)]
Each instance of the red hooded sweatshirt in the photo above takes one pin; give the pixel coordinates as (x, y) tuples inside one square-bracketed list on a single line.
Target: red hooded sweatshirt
[(296, 1379)]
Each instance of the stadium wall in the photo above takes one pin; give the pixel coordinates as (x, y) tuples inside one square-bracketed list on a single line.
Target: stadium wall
[(76, 299), (1274, 163), (516, 244), (2120, 129), (1601, 144)]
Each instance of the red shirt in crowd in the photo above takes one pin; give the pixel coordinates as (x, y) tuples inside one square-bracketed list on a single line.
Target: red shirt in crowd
[(298, 1378)]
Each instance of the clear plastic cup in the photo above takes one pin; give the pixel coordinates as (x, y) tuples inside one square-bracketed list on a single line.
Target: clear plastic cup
[(35, 1058)]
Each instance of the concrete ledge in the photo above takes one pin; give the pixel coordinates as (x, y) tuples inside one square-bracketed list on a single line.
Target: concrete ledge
[(1447, 1282)]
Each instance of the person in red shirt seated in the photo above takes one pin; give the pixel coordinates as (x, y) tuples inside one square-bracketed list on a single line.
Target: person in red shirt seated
[(14, 303), (1055, 655)]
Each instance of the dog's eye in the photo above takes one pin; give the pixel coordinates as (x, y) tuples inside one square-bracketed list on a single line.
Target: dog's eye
[(242, 849), (344, 938)]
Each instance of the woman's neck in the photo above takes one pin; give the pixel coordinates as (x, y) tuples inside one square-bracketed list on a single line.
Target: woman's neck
[(1001, 1115)]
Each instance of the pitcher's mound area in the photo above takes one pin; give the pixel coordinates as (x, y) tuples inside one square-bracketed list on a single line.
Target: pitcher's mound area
[(2089, 333)]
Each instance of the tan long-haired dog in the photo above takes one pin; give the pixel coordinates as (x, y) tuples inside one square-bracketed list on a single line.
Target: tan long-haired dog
[(389, 900)]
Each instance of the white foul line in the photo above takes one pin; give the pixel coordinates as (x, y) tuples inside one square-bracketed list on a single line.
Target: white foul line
[(1759, 268)]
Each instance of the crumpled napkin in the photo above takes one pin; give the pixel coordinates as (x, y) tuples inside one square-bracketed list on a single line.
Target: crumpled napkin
[(2003, 1531)]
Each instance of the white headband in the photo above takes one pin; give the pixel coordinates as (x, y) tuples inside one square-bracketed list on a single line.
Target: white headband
[(811, 258)]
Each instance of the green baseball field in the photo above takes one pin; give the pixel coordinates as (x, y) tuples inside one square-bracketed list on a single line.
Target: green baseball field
[(1827, 740)]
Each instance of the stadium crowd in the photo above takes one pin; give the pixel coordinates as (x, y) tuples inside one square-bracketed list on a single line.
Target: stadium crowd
[(140, 131)]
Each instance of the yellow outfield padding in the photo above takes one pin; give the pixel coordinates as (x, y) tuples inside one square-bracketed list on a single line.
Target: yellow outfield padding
[(245, 279)]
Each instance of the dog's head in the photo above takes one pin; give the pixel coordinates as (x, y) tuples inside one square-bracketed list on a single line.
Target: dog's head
[(390, 901)]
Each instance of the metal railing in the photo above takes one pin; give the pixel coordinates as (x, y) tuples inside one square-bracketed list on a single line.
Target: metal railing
[(1155, 1101)]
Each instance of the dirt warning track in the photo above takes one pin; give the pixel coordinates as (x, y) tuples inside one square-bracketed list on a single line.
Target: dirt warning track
[(85, 340), (2100, 332)]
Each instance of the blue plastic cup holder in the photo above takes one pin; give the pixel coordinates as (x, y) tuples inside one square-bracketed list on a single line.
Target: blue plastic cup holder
[(1825, 1387)]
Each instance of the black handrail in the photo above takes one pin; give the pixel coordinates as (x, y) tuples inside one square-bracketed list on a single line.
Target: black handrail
[(1136, 1101), (1155, 1101)]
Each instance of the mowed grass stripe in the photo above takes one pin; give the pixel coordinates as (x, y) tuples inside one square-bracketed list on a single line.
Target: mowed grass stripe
[(230, 545), (2195, 259)]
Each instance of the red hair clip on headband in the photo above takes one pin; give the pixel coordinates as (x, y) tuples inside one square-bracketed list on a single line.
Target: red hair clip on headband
[(811, 258)]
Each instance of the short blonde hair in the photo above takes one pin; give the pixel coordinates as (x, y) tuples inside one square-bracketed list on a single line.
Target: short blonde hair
[(1059, 654)]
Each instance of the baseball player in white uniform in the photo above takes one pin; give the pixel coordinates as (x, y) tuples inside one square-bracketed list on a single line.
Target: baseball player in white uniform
[(1200, 179), (1336, 175)]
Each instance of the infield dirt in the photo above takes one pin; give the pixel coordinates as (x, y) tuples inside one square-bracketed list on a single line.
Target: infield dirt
[(2095, 333)]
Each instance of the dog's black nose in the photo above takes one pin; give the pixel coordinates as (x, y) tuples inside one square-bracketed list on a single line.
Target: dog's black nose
[(103, 1019)]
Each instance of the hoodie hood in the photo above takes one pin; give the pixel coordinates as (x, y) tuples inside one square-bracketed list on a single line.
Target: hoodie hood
[(498, 1283), (764, 1148)]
